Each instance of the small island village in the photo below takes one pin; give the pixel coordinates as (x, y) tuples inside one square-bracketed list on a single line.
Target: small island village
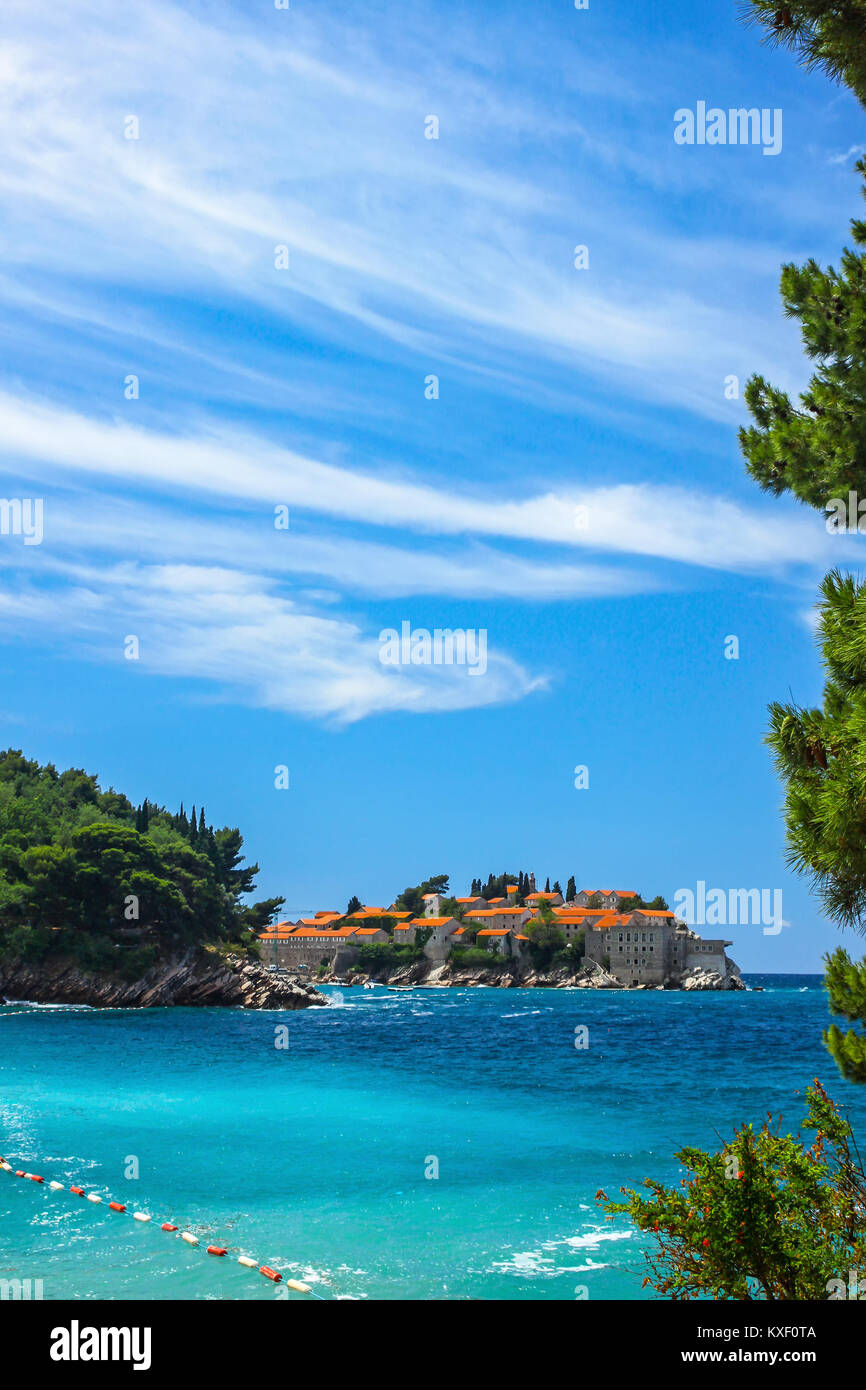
[(613, 936)]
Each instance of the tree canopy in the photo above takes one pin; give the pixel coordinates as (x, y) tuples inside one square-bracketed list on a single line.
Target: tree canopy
[(828, 35), (79, 860), (817, 449)]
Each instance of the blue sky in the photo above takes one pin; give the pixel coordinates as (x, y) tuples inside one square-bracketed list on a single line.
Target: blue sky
[(559, 388)]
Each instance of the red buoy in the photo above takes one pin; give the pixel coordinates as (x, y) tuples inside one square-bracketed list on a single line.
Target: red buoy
[(19, 1173), (79, 1191), (167, 1226), (270, 1273), (117, 1206), (34, 1177), (216, 1250)]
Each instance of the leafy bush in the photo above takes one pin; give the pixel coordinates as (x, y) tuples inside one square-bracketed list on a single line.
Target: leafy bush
[(476, 955), (766, 1217), (382, 955)]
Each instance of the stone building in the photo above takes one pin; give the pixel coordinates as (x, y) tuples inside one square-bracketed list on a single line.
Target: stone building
[(438, 944), (652, 948), (305, 946)]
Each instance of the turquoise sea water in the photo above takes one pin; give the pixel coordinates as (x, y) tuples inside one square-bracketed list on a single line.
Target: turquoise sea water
[(313, 1159)]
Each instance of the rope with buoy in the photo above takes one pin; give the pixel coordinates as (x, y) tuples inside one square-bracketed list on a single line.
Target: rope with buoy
[(188, 1236)]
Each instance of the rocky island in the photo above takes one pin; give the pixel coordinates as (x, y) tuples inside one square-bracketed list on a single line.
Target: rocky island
[(506, 934)]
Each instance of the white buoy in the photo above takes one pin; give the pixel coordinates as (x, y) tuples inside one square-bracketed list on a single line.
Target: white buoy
[(190, 1239), (92, 1197), (140, 1216), (298, 1286), (58, 1186), (7, 1167), (245, 1260)]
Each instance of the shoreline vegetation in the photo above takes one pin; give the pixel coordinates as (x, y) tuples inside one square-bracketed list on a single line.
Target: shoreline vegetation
[(107, 903)]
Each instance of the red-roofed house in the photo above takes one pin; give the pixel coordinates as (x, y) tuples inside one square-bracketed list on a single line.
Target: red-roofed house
[(554, 899), (498, 918)]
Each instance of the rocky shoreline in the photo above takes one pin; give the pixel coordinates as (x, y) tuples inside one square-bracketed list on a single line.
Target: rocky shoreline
[(194, 977), (511, 974)]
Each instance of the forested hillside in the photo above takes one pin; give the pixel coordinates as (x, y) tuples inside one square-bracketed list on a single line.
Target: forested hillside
[(85, 871)]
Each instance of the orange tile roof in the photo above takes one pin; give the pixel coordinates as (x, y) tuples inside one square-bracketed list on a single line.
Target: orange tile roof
[(367, 931), (430, 921), (530, 896), (496, 912), (493, 931), (476, 898), (655, 911), (607, 919), (609, 892), (328, 913), (496, 900)]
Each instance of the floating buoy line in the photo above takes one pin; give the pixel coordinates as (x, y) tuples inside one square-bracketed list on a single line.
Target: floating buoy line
[(47, 1010), (219, 1250)]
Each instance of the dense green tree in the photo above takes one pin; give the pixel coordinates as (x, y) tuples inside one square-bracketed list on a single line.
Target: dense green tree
[(354, 905), (72, 860), (412, 898), (826, 34), (571, 890), (452, 908), (546, 937)]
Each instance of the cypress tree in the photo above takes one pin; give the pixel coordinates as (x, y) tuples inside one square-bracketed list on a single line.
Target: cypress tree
[(571, 890)]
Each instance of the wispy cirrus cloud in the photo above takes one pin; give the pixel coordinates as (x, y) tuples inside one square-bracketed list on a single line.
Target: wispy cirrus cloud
[(262, 387), (257, 139), (237, 636), (625, 519)]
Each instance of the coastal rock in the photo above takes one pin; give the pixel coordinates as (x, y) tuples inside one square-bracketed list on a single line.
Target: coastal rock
[(711, 979), (194, 977)]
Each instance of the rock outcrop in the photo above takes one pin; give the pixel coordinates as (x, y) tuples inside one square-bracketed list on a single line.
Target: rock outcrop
[(711, 979), (196, 977), (512, 974)]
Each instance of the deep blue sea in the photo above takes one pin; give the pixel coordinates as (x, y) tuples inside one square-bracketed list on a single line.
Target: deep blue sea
[(315, 1158)]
